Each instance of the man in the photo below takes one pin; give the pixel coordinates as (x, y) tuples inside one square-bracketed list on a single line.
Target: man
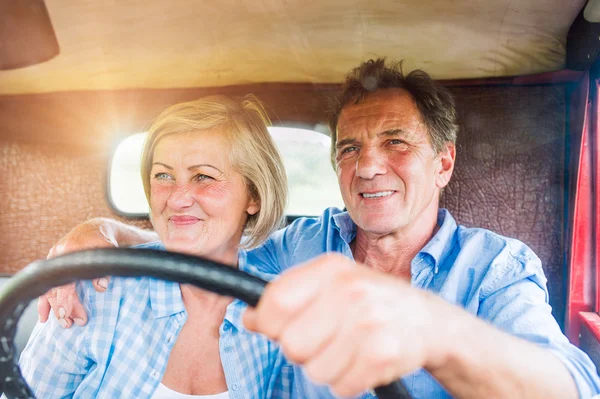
[(487, 333)]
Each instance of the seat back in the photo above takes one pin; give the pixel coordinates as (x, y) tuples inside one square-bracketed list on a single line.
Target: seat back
[(510, 170), (26, 323)]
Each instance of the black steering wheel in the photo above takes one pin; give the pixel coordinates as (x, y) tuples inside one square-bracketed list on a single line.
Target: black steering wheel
[(40, 276)]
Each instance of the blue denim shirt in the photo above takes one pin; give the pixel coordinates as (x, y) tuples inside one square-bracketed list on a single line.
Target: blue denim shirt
[(498, 279)]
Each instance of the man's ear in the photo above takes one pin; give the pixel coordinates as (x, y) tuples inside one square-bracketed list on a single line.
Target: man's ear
[(446, 160)]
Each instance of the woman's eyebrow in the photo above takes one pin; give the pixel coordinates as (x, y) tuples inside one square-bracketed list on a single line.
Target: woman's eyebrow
[(162, 164), (191, 167), (204, 165)]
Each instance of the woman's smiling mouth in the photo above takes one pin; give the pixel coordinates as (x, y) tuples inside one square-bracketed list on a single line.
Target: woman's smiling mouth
[(184, 220)]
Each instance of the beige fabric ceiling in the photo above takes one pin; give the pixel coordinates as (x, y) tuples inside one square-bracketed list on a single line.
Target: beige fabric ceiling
[(115, 44)]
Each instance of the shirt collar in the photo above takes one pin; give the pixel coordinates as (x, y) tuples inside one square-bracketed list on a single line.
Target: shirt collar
[(345, 226), (441, 244), (235, 310), (234, 313), (165, 296), (432, 253)]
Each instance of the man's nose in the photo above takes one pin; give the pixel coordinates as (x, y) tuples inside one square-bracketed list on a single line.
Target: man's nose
[(369, 164), (180, 197)]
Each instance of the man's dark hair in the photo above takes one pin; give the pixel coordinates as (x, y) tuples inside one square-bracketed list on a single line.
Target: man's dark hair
[(433, 101)]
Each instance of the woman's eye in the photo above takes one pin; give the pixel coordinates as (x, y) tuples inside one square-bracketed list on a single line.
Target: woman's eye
[(162, 176), (201, 177)]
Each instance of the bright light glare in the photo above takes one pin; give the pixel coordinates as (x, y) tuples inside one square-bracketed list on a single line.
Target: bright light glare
[(311, 179), (312, 182), (126, 189)]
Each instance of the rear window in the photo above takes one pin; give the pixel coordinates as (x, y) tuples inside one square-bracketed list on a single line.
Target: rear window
[(312, 181)]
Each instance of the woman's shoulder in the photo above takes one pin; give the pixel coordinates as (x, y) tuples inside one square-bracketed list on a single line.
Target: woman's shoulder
[(123, 295)]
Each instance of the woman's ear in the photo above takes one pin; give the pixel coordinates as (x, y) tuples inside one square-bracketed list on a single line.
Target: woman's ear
[(446, 165), (253, 206)]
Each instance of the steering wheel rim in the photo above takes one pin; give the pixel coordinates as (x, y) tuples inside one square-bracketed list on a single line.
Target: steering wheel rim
[(39, 276)]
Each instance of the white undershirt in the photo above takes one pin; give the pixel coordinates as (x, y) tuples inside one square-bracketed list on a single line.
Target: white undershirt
[(163, 392)]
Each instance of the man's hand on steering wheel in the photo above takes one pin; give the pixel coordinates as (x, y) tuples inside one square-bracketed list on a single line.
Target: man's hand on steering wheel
[(64, 300), (330, 312)]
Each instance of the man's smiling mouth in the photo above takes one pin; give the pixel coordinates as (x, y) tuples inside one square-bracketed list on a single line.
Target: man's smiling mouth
[(378, 194)]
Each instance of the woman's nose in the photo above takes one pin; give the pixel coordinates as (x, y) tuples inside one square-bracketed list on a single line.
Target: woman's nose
[(180, 197)]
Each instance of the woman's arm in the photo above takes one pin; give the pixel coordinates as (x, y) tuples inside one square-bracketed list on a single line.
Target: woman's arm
[(94, 233)]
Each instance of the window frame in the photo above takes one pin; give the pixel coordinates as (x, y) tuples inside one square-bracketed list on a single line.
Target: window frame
[(289, 217)]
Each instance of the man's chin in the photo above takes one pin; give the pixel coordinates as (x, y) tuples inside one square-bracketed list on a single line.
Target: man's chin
[(379, 225)]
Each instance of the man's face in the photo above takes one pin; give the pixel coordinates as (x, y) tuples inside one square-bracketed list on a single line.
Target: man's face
[(389, 174)]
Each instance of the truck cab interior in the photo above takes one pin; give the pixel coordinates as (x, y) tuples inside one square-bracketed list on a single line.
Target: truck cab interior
[(80, 78)]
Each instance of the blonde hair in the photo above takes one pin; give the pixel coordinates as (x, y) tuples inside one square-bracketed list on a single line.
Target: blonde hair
[(253, 153)]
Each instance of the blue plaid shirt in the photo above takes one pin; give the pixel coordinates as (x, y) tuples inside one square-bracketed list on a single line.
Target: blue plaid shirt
[(123, 350), (498, 279)]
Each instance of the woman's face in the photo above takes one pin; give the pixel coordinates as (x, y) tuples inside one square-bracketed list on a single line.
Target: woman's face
[(199, 202)]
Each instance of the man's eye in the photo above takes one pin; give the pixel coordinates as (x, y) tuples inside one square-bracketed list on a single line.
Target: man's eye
[(201, 177), (163, 176), (349, 149), (396, 142)]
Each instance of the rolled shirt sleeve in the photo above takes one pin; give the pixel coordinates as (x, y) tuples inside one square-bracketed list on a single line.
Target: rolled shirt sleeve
[(516, 301), (54, 362)]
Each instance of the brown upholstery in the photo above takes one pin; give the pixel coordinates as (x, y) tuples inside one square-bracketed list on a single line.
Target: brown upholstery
[(509, 176), (510, 170)]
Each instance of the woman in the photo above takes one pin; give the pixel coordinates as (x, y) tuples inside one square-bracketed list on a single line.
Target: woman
[(216, 185)]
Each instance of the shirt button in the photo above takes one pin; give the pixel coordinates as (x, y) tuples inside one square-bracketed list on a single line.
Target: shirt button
[(226, 327), (154, 374), (235, 387)]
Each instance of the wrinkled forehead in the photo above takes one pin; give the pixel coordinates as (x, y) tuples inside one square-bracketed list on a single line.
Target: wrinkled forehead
[(204, 140), (190, 147), (380, 111)]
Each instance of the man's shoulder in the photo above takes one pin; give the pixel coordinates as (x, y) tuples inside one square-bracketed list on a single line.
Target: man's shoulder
[(498, 260), (313, 235), (308, 228), (493, 243), (303, 239)]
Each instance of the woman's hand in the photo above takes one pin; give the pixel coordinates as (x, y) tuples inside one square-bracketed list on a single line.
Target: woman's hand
[(64, 302), (350, 327)]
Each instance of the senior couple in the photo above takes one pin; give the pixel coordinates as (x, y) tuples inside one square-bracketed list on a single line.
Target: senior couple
[(390, 288)]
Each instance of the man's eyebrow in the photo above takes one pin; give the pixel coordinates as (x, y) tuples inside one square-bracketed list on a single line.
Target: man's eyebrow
[(385, 133), (393, 133), (345, 142)]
